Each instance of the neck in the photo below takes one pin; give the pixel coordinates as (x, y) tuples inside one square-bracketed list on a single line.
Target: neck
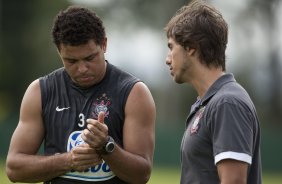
[(205, 78)]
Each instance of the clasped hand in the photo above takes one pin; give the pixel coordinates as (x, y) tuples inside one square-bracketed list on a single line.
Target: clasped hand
[(95, 135)]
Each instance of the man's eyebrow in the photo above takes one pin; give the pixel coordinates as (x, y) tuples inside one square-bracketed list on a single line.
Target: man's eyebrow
[(69, 58), (87, 57)]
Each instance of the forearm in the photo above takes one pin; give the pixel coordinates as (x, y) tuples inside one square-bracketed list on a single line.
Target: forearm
[(129, 167), (35, 168)]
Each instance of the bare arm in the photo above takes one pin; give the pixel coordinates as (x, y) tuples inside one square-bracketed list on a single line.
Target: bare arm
[(232, 171), (133, 164), (23, 164)]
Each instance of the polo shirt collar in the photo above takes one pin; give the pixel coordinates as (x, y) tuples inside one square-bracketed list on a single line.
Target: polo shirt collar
[(226, 78)]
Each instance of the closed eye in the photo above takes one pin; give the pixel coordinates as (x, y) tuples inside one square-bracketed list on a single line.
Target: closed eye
[(90, 58), (71, 61)]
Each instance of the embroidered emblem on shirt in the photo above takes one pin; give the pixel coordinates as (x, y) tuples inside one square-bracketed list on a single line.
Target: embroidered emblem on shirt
[(61, 109), (195, 126), (101, 105)]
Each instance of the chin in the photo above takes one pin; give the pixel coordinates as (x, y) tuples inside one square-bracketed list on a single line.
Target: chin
[(177, 80), (84, 85)]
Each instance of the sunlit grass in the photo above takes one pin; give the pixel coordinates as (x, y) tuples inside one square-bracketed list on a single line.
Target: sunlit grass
[(165, 175)]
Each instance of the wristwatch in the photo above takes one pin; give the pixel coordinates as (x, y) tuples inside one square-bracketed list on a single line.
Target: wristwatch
[(109, 146)]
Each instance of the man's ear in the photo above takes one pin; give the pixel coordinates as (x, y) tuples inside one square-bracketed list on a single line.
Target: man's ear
[(104, 45), (191, 51)]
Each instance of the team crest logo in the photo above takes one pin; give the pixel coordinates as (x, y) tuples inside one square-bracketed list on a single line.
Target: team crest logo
[(101, 105), (195, 126)]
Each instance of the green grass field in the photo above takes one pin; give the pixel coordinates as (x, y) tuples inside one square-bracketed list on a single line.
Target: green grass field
[(164, 175)]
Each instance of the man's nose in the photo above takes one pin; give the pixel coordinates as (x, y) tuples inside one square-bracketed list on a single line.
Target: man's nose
[(168, 59), (82, 67)]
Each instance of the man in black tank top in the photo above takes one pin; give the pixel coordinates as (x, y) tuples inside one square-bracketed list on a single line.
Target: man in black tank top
[(97, 122)]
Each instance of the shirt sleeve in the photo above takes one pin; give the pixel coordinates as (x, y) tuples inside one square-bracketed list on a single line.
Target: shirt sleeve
[(231, 133)]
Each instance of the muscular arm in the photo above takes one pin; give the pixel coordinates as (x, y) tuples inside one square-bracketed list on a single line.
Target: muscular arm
[(232, 171), (23, 164), (133, 163)]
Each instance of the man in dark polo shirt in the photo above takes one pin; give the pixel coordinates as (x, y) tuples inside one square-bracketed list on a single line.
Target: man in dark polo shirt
[(221, 143)]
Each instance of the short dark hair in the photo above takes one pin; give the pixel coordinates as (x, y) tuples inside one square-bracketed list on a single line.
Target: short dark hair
[(200, 26), (77, 25)]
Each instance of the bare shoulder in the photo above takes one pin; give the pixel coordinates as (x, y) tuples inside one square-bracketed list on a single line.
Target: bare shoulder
[(140, 96), (31, 102), (34, 86), (140, 89), (140, 102), (33, 91)]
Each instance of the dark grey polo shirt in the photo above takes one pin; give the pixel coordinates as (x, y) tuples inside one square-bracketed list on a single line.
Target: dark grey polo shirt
[(221, 125)]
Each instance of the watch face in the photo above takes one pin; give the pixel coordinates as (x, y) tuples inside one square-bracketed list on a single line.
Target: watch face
[(110, 147)]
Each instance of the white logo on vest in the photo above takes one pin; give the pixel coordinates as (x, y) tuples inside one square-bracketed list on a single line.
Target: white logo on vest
[(99, 172)]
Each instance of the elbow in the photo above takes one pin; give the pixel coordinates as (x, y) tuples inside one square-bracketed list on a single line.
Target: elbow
[(148, 171), (142, 178), (11, 172), (11, 177), (146, 175), (147, 178)]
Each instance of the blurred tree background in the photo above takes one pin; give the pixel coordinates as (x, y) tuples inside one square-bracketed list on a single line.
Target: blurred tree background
[(137, 43)]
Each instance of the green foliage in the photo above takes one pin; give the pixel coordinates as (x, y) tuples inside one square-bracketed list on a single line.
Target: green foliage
[(27, 51)]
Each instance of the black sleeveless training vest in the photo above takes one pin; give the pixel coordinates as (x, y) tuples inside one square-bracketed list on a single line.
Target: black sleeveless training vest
[(66, 107)]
